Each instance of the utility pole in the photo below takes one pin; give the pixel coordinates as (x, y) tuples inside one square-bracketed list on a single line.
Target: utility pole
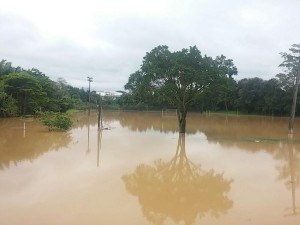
[(100, 125), (89, 79)]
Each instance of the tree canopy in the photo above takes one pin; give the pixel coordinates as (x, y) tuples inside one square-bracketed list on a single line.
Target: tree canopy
[(177, 78)]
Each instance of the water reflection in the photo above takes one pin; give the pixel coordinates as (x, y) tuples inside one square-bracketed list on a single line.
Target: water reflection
[(245, 132), (25, 120), (18, 144), (290, 172), (83, 119), (88, 139), (143, 122), (178, 189), (169, 191), (215, 127), (99, 135), (99, 140)]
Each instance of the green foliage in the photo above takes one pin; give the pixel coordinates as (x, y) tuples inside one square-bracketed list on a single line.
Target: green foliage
[(6, 68), (56, 120), (221, 95), (8, 105), (257, 96), (186, 80), (177, 78), (289, 66), (27, 92), (250, 94), (274, 98), (289, 79)]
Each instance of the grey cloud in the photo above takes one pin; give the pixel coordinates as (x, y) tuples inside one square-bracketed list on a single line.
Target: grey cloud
[(217, 27)]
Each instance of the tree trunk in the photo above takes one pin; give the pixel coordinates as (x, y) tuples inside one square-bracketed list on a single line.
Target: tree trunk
[(293, 110), (181, 115)]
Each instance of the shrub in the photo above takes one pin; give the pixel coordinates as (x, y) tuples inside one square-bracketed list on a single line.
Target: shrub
[(54, 120)]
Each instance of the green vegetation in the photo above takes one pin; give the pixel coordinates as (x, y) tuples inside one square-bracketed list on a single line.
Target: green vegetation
[(56, 120), (30, 91), (219, 93), (179, 79), (185, 80)]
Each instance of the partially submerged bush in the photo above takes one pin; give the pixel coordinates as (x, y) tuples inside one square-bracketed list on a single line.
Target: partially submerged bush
[(56, 120)]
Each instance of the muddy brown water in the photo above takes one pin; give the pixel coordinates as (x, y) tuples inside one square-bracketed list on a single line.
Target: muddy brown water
[(138, 170)]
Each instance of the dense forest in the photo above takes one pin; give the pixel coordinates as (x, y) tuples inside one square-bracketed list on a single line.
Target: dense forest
[(28, 91)]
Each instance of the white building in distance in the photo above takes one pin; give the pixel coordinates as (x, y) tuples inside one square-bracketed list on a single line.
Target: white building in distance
[(109, 93)]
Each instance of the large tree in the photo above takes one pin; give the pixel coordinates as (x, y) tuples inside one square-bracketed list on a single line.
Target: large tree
[(27, 91), (290, 77), (177, 78)]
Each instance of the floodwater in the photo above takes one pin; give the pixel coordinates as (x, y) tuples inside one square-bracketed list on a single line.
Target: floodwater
[(226, 170)]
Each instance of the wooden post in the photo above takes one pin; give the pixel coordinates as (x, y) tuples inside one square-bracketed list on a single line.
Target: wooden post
[(90, 79), (100, 125), (99, 112)]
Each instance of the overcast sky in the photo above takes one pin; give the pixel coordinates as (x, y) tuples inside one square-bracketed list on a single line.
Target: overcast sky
[(107, 40)]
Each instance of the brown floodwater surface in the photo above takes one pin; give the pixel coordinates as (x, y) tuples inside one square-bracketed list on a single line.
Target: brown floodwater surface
[(138, 170)]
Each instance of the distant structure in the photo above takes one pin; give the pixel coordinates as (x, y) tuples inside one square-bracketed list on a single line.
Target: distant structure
[(109, 93)]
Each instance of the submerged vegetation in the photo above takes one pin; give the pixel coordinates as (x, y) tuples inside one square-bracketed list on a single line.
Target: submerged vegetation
[(56, 120)]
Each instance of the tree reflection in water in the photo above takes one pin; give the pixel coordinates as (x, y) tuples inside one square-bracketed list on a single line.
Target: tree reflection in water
[(17, 146), (290, 172), (178, 189)]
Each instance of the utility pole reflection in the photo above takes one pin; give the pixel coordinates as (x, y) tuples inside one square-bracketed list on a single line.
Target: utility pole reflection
[(99, 139), (88, 147)]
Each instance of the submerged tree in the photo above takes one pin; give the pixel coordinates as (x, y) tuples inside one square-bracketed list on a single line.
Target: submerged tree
[(56, 120), (178, 189), (177, 78)]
